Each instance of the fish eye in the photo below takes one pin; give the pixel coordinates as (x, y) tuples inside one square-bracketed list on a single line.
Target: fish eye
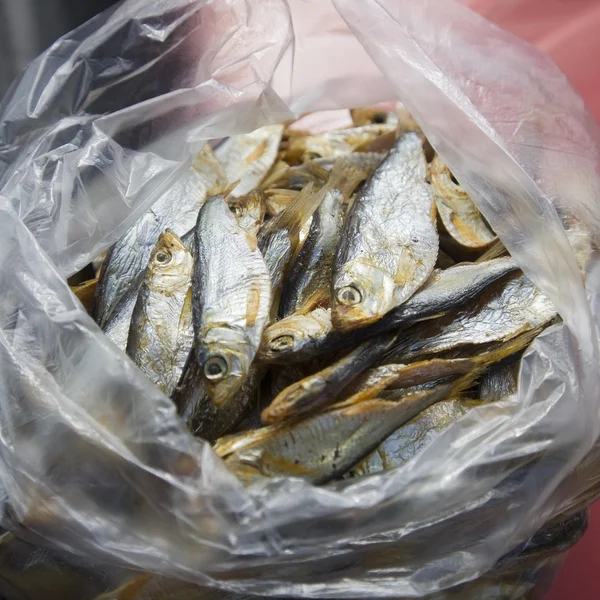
[(379, 118), (215, 368), (235, 209), (349, 295), (163, 257), (281, 342)]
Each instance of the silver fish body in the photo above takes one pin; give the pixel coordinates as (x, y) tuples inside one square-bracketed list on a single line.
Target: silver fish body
[(309, 282), (336, 143), (511, 307), (117, 327), (204, 418), (231, 299), (498, 382), (326, 445), (298, 337), (279, 238), (248, 157), (365, 161), (161, 333), (458, 213), (322, 388), (249, 210), (407, 441), (123, 270), (389, 243), (375, 381)]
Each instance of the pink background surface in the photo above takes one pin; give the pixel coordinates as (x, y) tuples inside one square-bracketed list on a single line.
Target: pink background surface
[(568, 31)]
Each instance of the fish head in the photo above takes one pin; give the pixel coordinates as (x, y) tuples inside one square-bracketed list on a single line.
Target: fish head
[(225, 357), (249, 210), (170, 264), (362, 295), (294, 335)]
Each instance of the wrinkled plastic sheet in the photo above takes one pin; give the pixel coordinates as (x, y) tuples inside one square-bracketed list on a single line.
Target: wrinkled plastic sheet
[(93, 458), (32, 572)]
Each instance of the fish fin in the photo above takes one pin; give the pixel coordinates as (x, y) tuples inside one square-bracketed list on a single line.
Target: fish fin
[(253, 299), (485, 359), (316, 170), (185, 315), (277, 200), (299, 210), (258, 151), (319, 299), (382, 143), (345, 177), (406, 270), (277, 171), (461, 385), (212, 170), (496, 250), (226, 191), (505, 349)]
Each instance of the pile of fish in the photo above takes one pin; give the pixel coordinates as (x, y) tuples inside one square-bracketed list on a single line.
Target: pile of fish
[(319, 305)]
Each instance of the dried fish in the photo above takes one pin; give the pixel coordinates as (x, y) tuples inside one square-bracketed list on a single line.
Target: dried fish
[(389, 243)]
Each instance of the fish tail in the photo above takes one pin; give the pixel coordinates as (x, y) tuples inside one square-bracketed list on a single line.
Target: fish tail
[(496, 250), (299, 210), (345, 177)]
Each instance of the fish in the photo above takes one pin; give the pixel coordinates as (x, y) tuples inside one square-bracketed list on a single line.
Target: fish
[(389, 243), (444, 261), (273, 381), (231, 299), (457, 212), (498, 382), (161, 334), (373, 115), (299, 337), (249, 210), (247, 158), (397, 376), (117, 328), (366, 162), (277, 200), (123, 269), (325, 445), (279, 238), (30, 571), (85, 293), (406, 122), (322, 388), (407, 441), (332, 144), (508, 308), (317, 171), (204, 418), (295, 177), (308, 284)]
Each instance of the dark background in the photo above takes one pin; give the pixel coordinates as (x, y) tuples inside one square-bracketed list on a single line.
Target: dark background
[(28, 27)]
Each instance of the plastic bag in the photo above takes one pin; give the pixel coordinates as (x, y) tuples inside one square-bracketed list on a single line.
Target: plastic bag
[(93, 458), (31, 572)]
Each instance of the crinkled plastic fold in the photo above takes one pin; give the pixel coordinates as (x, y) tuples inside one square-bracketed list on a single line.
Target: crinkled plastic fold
[(94, 459)]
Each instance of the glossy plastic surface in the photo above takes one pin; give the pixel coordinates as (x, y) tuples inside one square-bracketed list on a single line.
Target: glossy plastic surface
[(94, 459)]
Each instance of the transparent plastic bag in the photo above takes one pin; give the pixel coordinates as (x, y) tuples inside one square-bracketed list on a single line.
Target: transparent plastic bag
[(524, 573), (94, 459)]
